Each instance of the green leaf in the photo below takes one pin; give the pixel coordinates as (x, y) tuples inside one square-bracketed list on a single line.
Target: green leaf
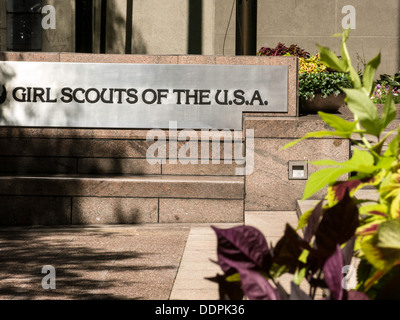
[(374, 209), (347, 60), (330, 59), (303, 220), (395, 208), (378, 147), (389, 235), (385, 162), (370, 228), (361, 161), (393, 147), (233, 278), (337, 190), (369, 73), (304, 256), (365, 110), (299, 276), (389, 111), (345, 35), (383, 249), (338, 123), (319, 179), (277, 270)]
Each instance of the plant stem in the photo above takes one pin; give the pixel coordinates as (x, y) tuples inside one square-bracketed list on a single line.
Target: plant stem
[(363, 139)]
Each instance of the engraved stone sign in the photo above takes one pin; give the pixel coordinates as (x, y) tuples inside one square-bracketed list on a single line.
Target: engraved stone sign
[(142, 96)]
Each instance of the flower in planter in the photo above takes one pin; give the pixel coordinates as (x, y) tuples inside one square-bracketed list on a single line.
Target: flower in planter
[(384, 86), (312, 64), (317, 83), (314, 77)]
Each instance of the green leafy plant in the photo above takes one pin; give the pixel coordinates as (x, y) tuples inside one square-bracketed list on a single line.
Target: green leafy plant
[(324, 83), (340, 227), (385, 79), (316, 78), (384, 85)]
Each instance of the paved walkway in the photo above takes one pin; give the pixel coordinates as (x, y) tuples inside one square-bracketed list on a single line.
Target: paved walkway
[(143, 262)]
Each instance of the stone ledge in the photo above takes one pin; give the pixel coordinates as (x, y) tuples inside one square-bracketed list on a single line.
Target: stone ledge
[(108, 148), (114, 134), (193, 187)]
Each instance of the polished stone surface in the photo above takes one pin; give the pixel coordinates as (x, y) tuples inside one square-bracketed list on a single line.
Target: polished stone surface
[(270, 189), (192, 187), (88, 211), (201, 211)]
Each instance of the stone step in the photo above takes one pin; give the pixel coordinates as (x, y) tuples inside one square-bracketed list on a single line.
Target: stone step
[(88, 199), (197, 187)]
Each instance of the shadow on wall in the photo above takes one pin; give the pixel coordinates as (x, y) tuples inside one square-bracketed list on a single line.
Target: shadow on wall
[(47, 152), (61, 39), (129, 42), (6, 74)]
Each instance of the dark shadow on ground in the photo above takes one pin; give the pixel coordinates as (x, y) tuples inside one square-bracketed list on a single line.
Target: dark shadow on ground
[(113, 263)]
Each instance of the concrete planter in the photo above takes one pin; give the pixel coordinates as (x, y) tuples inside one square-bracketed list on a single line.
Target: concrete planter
[(330, 104)]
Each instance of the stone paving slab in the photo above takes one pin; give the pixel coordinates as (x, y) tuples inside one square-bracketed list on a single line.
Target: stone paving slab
[(132, 262), (109, 262), (196, 265)]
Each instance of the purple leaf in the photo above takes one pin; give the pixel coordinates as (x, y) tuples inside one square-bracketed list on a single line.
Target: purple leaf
[(289, 248), (333, 274), (340, 189), (256, 287), (337, 226), (348, 251), (242, 247), (313, 222)]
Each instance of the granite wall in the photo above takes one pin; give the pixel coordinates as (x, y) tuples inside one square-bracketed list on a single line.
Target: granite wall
[(92, 176)]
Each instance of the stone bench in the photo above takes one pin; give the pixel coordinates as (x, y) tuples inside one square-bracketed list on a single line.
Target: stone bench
[(105, 199)]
